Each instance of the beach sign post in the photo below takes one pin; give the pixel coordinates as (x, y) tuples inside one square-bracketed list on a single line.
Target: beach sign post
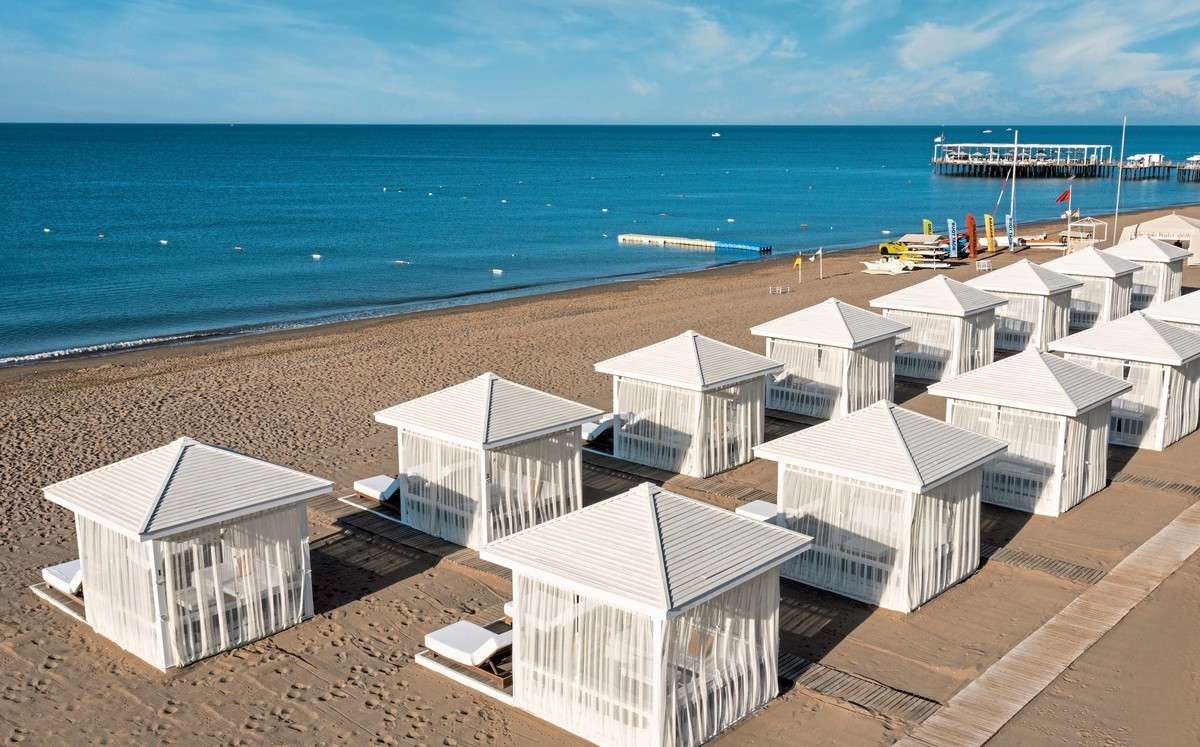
[(1008, 226), (952, 229)]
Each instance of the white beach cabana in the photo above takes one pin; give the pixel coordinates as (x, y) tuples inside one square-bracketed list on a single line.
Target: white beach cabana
[(837, 359), (1182, 312), (1160, 274), (1052, 413), (688, 404), (189, 549), (1039, 304), (1161, 361), (952, 327), (1107, 285), (1175, 229), (486, 458), (646, 619), (891, 500)]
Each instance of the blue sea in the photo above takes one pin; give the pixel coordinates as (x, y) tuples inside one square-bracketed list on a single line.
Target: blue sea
[(116, 236)]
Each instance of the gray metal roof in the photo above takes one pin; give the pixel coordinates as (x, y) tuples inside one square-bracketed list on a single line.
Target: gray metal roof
[(487, 411), (648, 550), (1034, 380), (1146, 249), (940, 295), (183, 485), (1136, 337), (690, 361), (1026, 278), (831, 322), (1170, 227), (1092, 263), (1184, 309), (886, 445)]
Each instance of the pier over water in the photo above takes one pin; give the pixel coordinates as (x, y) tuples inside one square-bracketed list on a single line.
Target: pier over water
[(1047, 161)]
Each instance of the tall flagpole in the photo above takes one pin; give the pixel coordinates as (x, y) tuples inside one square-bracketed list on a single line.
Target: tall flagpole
[(1120, 172), (1070, 196), (1012, 196)]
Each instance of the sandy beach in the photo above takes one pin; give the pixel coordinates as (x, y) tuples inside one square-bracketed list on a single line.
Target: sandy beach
[(305, 399)]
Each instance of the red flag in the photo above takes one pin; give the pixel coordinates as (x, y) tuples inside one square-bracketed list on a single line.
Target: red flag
[(1064, 196)]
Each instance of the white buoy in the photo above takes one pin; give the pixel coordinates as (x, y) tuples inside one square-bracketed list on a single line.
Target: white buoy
[(385, 189), (316, 256)]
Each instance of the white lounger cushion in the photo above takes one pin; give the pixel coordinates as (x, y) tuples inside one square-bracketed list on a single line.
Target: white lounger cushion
[(467, 643), (66, 577), (510, 609), (379, 487)]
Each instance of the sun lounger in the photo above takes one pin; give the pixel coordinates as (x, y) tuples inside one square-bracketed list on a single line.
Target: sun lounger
[(509, 610), (65, 577), (473, 646), (379, 487)]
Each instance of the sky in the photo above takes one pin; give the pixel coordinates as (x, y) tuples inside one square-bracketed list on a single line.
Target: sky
[(600, 61)]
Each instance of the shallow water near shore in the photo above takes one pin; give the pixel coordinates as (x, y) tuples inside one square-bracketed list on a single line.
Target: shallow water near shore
[(217, 230)]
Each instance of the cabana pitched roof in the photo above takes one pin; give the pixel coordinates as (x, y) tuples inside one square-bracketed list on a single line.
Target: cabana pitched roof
[(1024, 277), (1146, 249), (906, 451), (183, 485), (1171, 227), (690, 361), (649, 550), (487, 411), (831, 322), (1136, 337), (1034, 380), (1185, 309), (1092, 262), (940, 295)]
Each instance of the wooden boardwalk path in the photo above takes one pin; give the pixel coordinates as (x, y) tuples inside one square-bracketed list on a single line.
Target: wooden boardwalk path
[(982, 708)]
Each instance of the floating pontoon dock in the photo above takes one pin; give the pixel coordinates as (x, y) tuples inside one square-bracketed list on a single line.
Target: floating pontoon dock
[(642, 238)]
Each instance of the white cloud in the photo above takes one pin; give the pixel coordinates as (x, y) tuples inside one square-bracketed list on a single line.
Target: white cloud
[(643, 87)]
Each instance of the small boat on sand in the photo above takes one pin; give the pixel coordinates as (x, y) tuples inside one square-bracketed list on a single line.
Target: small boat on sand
[(889, 266)]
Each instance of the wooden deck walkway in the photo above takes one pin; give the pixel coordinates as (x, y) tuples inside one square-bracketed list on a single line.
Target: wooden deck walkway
[(850, 688), (982, 708), (382, 520)]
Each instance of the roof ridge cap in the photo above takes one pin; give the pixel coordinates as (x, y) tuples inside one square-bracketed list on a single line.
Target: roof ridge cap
[(891, 413), (180, 445), (652, 504)]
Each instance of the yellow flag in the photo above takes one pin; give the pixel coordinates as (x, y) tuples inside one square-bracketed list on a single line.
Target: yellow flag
[(927, 227), (798, 261)]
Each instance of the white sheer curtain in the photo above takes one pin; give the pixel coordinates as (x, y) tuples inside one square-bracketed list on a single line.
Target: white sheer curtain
[(1057, 322), (813, 378), (925, 350), (657, 424), (591, 668), (871, 376), (1122, 297), (730, 428), (229, 584), (118, 581), (1027, 477), (440, 487), (722, 660), (1085, 458), (693, 433), (532, 481), (977, 342), (1090, 304), (1134, 418), (1149, 285), (860, 535), (1172, 285), (1182, 401), (945, 537), (1019, 323)]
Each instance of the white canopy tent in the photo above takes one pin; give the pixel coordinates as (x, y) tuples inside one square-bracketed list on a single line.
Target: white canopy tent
[(1182, 312), (1054, 416), (1179, 230), (1160, 274), (1107, 285), (646, 619), (891, 500), (188, 550), (1162, 363), (838, 358), (951, 327), (1039, 304), (486, 458), (688, 404)]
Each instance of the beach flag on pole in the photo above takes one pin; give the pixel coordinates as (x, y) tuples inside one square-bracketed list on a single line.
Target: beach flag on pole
[(927, 227), (1064, 197), (816, 254), (799, 264), (989, 230)]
